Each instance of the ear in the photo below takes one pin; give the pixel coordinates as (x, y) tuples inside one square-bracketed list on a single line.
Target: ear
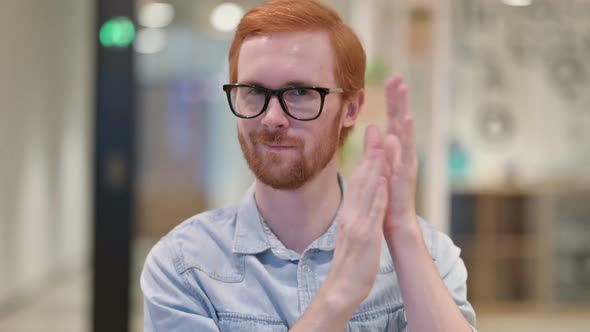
[(353, 108)]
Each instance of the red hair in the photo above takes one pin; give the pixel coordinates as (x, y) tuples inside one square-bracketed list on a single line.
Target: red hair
[(278, 16)]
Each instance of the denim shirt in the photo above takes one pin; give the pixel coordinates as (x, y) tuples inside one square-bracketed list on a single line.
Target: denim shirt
[(224, 270)]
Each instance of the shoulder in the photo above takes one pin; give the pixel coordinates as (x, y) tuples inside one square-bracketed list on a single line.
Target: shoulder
[(212, 229), (203, 242)]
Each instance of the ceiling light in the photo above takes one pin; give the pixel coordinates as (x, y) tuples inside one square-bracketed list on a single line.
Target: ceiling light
[(156, 15), (517, 2), (226, 16)]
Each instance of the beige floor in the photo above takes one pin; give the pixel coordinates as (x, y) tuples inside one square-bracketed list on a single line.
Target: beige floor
[(534, 322), (66, 308)]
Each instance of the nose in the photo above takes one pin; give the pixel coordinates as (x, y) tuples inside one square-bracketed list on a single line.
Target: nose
[(274, 117)]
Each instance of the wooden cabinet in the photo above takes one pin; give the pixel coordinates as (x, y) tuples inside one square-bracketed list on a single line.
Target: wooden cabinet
[(524, 249)]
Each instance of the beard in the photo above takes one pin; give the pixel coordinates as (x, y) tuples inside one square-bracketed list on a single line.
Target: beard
[(290, 170)]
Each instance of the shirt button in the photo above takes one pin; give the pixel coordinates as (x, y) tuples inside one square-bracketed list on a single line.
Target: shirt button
[(305, 268)]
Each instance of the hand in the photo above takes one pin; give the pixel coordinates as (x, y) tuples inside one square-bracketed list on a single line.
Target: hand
[(360, 226), (401, 157)]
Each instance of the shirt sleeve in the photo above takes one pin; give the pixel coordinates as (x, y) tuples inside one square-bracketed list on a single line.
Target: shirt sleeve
[(453, 272), (170, 302)]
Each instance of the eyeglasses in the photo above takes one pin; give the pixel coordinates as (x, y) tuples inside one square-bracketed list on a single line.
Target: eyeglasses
[(304, 103)]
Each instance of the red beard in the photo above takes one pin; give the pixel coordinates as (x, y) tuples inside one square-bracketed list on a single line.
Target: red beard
[(291, 170)]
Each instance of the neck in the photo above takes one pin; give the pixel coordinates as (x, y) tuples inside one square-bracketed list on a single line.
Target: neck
[(301, 216)]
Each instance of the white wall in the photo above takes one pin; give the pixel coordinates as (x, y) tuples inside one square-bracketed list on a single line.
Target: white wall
[(533, 61), (46, 74)]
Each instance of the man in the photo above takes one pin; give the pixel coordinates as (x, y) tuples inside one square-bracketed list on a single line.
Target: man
[(301, 252)]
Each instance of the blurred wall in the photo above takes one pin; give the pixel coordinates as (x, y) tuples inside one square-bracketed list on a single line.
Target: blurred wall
[(521, 76), (46, 70)]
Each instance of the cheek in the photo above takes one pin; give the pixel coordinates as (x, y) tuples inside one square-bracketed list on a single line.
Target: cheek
[(318, 135), (333, 108), (245, 126)]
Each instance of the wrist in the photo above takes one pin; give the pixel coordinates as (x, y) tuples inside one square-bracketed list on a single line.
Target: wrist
[(404, 235), (329, 311), (337, 301), (402, 227)]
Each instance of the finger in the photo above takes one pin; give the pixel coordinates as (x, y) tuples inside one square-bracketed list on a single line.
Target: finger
[(376, 161), (403, 101), (372, 138), (402, 108), (379, 204), (392, 99), (389, 148), (372, 142), (394, 149), (391, 91), (408, 144), (358, 180), (387, 166)]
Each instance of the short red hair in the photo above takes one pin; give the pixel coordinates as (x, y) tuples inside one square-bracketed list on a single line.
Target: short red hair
[(278, 16)]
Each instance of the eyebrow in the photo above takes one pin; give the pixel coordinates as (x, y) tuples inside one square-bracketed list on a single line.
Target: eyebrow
[(288, 84)]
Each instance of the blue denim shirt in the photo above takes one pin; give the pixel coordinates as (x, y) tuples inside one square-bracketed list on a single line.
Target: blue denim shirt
[(224, 270)]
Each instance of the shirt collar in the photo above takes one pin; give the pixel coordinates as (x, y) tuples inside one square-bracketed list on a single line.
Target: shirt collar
[(251, 237)]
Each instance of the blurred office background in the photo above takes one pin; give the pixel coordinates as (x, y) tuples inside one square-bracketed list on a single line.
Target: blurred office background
[(500, 90)]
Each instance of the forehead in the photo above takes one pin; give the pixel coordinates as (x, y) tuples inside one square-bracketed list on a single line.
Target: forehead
[(275, 60)]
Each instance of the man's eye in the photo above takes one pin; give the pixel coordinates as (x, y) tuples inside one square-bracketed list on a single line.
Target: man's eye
[(255, 91), (300, 92)]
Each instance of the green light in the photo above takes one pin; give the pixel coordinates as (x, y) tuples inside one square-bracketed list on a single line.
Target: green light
[(117, 32)]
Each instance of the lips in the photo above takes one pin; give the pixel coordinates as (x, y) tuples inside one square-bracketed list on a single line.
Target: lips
[(275, 140), (277, 148), (275, 144)]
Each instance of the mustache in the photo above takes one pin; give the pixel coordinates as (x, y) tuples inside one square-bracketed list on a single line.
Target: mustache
[(275, 138)]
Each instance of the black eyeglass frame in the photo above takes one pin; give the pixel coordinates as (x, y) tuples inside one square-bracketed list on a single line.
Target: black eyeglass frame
[(268, 93)]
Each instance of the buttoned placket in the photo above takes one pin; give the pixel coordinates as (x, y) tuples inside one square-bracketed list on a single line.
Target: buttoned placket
[(307, 281), (307, 285)]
